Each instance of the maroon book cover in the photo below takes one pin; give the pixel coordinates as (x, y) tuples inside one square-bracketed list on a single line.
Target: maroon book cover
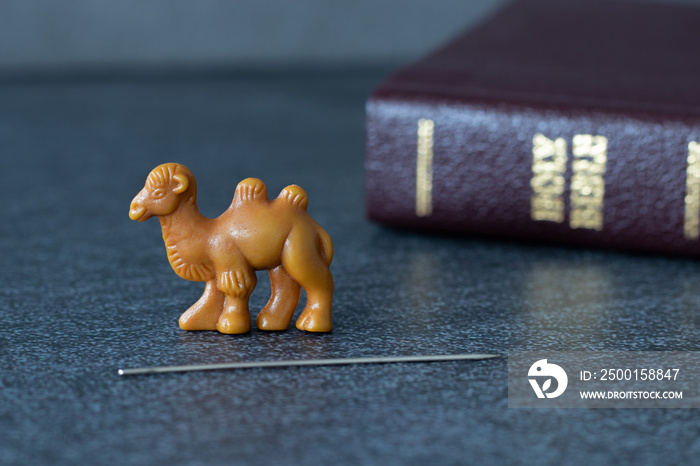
[(574, 122)]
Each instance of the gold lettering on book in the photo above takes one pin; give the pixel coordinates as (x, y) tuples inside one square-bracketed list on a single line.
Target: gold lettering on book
[(587, 183), (424, 168), (691, 225), (548, 182)]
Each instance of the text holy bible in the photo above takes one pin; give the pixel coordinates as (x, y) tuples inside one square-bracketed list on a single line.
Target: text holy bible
[(574, 121)]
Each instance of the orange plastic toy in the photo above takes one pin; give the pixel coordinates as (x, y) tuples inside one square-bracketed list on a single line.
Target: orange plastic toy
[(254, 233)]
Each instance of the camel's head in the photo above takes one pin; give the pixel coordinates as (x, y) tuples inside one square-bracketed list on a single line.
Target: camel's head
[(166, 186)]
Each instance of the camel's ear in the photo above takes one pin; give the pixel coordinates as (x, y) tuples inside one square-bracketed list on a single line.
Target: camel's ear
[(182, 183)]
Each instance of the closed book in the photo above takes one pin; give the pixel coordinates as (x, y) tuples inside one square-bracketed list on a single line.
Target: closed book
[(574, 122)]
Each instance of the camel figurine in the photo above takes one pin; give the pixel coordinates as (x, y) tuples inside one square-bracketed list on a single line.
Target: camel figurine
[(254, 233)]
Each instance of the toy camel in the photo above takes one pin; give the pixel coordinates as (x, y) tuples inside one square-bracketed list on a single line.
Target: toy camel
[(254, 233)]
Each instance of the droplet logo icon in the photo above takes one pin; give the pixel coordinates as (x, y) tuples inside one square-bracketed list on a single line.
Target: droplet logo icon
[(546, 372)]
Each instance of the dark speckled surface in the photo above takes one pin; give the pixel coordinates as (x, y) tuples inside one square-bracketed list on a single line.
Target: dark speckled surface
[(86, 291)]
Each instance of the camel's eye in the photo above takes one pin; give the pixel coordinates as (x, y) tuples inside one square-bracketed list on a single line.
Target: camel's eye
[(158, 193)]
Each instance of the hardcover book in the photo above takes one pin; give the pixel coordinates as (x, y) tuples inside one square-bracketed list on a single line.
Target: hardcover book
[(575, 122)]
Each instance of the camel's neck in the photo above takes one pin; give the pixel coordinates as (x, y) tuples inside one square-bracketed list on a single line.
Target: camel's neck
[(180, 229), (182, 222)]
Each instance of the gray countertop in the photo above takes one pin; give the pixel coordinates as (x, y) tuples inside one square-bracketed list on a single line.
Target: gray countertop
[(86, 291)]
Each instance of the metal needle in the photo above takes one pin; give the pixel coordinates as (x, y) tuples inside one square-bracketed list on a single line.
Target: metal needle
[(304, 362)]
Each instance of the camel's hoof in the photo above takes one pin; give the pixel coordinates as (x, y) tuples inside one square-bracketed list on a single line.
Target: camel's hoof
[(271, 321), (271, 325), (198, 318), (315, 322), (191, 325), (233, 326)]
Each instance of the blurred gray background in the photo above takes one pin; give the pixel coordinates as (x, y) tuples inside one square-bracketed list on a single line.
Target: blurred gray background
[(38, 36)]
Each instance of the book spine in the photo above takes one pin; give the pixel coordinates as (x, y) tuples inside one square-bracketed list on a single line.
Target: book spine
[(579, 176)]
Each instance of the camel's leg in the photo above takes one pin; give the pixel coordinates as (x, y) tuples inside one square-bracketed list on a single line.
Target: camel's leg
[(278, 312), (237, 285), (303, 261), (204, 314)]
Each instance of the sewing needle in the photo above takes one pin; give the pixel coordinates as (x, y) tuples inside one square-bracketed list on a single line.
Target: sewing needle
[(304, 362)]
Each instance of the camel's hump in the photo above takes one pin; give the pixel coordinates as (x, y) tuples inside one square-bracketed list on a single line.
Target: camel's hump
[(295, 195), (251, 189)]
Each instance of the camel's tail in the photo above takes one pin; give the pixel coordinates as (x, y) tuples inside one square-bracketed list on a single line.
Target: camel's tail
[(326, 244), (295, 195)]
